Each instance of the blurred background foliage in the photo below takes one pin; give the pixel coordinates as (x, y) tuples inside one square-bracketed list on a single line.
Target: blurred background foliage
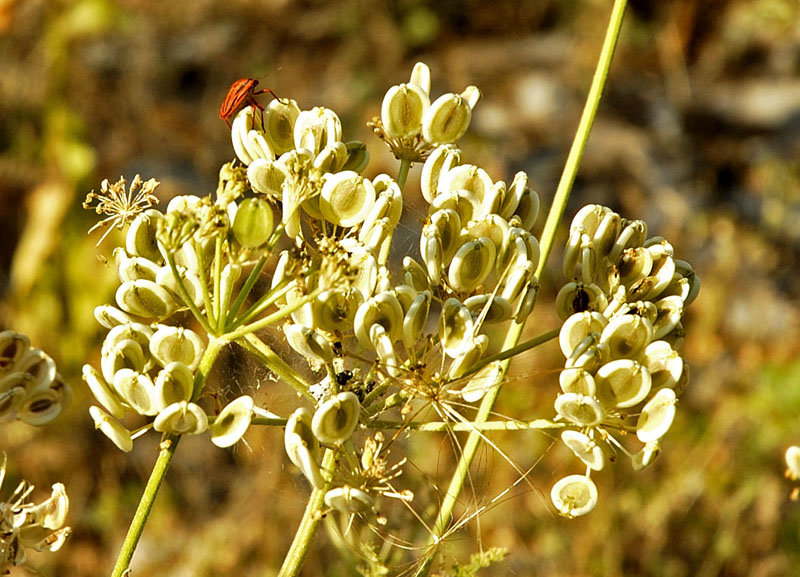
[(698, 134)]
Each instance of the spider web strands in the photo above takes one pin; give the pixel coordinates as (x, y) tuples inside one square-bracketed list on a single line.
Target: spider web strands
[(391, 540)]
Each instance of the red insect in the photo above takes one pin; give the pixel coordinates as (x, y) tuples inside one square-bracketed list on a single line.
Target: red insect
[(242, 93)]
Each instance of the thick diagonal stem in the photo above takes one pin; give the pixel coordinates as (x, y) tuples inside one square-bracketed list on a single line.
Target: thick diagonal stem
[(548, 235)]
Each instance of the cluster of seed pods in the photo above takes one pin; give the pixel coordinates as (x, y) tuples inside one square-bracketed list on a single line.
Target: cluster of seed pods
[(27, 525), (148, 365), (621, 335), (31, 389)]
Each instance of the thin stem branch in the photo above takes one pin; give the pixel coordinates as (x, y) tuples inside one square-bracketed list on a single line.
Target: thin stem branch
[(548, 235), (169, 444), (309, 524), (277, 365), (402, 174)]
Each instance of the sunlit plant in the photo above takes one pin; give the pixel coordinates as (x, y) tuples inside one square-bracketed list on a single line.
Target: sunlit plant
[(298, 237)]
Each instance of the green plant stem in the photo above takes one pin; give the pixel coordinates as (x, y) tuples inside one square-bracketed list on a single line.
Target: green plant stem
[(169, 444), (309, 524), (276, 316), (548, 235), (402, 174), (277, 365), (247, 287), (582, 134), (184, 294)]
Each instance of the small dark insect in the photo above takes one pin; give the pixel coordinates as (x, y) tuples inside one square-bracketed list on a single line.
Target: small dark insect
[(242, 93), (344, 377)]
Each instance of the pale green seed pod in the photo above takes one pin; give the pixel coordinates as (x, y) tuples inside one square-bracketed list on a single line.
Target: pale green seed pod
[(302, 446), (349, 500), (111, 428), (576, 297), (388, 203), (438, 164), (335, 419), (346, 198), (446, 224), (308, 343), (402, 110), (484, 380), (622, 383), (331, 158), (589, 354), (40, 406), (467, 177), (39, 365), (492, 227), (646, 456), (357, 156), (606, 233), (383, 309), (572, 252), (384, 346), (588, 219), (137, 391), (104, 394), (12, 392), (108, 316), (138, 332), (577, 327), (266, 177), (516, 281), (13, 346), (578, 381), (686, 272), (415, 319), (634, 265), (574, 496), (279, 124), (670, 312), (144, 298), (663, 363), (405, 295), (421, 76), (432, 254), (659, 279), (464, 202), (472, 264), (627, 336), (177, 344), (181, 418), (125, 354), (583, 410), (633, 234), (455, 327), (253, 223), (134, 268), (528, 208), (367, 275), (245, 122), (472, 352), (191, 282), (141, 237), (334, 310), (513, 195), (290, 204), (448, 117), (585, 449), (492, 309), (174, 383), (656, 417), (317, 128), (232, 422), (414, 275)]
